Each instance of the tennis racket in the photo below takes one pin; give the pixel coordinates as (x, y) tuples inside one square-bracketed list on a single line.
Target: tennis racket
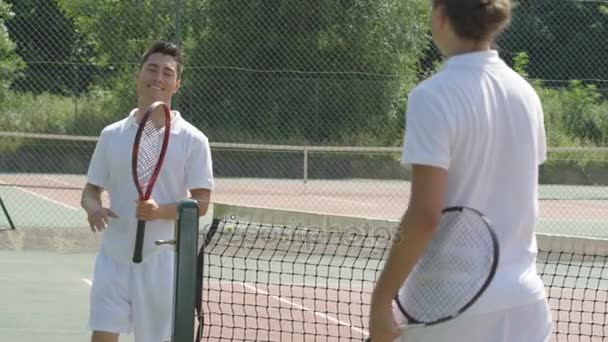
[(456, 268), (149, 151)]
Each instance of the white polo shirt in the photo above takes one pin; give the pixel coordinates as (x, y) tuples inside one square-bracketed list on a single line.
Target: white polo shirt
[(187, 166), (483, 123)]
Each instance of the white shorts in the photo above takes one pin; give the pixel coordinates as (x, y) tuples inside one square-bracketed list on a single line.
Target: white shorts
[(129, 297), (530, 323)]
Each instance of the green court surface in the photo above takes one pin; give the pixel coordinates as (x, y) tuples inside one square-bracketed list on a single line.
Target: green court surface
[(28, 208), (573, 192), (45, 296), (574, 228)]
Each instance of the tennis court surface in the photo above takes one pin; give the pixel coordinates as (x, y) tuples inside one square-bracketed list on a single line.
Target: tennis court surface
[(294, 261), (277, 275), (574, 210)]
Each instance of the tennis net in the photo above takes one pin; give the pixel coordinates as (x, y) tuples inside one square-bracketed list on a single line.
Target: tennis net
[(277, 275)]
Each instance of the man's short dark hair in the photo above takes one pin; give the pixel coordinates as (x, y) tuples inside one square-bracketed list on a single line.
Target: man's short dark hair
[(165, 48)]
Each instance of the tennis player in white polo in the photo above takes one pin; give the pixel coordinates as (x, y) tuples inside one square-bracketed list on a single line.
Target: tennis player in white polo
[(128, 297), (474, 137)]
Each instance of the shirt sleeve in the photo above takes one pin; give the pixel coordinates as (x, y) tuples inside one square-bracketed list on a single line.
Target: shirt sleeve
[(427, 132), (199, 166), (99, 173), (541, 135)]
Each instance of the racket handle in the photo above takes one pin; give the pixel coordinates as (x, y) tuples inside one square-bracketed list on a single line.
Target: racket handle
[(139, 241)]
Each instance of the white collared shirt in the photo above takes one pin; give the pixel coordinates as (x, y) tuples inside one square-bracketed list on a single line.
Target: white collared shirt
[(187, 165), (483, 123)]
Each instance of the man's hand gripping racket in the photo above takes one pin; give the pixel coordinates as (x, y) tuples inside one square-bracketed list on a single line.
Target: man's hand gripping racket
[(455, 270), (149, 149)]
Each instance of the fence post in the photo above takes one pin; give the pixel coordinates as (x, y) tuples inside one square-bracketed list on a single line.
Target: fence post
[(305, 171)]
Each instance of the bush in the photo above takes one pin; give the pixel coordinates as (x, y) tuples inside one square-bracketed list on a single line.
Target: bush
[(41, 114), (55, 114), (575, 116)]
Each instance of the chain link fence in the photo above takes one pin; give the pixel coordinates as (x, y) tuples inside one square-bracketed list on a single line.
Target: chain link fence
[(303, 102)]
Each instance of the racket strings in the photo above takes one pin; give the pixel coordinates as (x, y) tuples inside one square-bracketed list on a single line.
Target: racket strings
[(453, 269), (150, 147)]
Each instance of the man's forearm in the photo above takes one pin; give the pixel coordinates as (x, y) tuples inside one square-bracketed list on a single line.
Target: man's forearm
[(415, 233), (90, 199), (169, 211)]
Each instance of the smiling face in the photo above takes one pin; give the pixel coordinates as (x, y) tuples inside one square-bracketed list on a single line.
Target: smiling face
[(158, 79)]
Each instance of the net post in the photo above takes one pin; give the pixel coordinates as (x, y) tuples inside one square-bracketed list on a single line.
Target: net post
[(305, 166), (186, 248), (8, 217)]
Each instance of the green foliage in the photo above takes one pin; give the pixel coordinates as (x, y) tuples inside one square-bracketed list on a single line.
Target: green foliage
[(575, 116), (318, 71), (10, 63), (521, 62), (134, 23), (96, 110), (56, 54), (10, 67), (564, 39), (36, 113), (305, 72), (119, 31), (56, 114), (280, 72)]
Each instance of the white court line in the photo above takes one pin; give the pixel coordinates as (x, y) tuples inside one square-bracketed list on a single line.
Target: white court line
[(87, 281), (43, 197), (288, 302), (46, 198)]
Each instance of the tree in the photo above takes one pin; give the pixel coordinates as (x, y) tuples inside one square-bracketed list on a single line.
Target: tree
[(565, 40), (10, 63), (118, 32), (56, 55), (314, 71), (317, 71)]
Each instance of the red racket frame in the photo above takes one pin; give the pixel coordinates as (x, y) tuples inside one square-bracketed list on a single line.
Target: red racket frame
[(144, 196)]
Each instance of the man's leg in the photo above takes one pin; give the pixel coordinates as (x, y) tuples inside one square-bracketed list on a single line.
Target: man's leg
[(110, 307), (153, 297), (103, 336)]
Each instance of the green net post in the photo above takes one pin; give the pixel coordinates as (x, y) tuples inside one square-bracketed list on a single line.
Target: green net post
[(186, 247)]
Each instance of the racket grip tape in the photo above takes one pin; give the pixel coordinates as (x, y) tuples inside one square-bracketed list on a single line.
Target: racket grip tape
[(139, 241)]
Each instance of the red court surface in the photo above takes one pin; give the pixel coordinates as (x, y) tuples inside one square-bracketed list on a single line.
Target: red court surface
[(260, 312), (238, 311)]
